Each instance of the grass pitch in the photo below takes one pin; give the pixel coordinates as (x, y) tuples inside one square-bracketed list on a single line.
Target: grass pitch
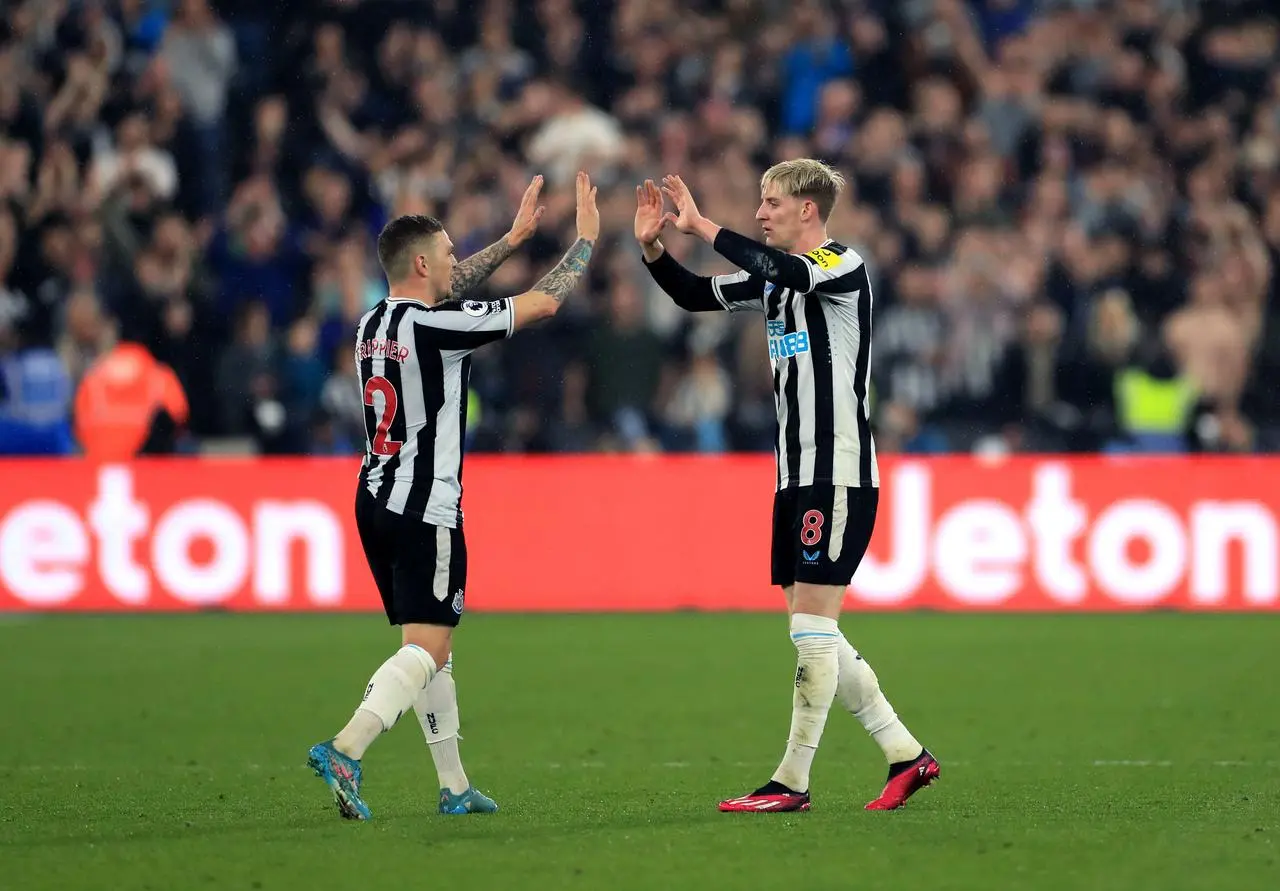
[(1099, 752)]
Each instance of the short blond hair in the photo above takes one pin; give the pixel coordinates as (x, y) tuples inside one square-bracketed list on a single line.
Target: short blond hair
[(806, 178)]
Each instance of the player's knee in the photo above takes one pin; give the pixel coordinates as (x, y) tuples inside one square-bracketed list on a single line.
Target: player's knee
[(817, 600), (437, 640)]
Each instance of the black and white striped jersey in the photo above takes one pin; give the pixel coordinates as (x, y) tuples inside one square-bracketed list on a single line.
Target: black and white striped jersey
[(413, 361), (820, 347)]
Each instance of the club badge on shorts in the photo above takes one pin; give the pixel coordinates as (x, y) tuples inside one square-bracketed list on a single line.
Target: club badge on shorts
[(457, 601)]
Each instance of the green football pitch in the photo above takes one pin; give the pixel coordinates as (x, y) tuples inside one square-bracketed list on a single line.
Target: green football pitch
[(1098, 752)]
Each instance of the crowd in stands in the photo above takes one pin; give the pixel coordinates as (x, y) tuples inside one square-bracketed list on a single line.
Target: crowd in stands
[(1070, 211)]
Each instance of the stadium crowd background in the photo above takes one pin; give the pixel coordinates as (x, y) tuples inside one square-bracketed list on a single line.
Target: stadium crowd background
[(1071, 212)]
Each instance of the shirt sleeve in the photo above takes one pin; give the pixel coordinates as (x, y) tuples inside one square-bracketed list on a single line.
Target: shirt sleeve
[(687, 290), (837, 273), (739, 291), (466, 324), (833, 270)]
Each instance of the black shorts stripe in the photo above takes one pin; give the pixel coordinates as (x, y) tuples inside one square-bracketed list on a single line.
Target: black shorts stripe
[(791, 393), (860, 374), (398, 431), (824, 408)]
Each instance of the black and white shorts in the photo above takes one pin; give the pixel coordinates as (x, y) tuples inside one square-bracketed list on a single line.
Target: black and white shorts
[(821, 533), (420, 569)]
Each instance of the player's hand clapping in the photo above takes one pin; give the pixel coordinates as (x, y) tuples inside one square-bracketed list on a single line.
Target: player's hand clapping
[(688, 218), (527, 217), (588, 213), (649, 217)]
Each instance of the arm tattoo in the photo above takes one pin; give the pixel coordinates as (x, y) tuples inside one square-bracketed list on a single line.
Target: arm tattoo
[(568, 272), (471, 272)]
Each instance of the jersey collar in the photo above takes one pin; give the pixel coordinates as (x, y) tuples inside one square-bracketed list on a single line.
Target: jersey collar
[(414, 300)]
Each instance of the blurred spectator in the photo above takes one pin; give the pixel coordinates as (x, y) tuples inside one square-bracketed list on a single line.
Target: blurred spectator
[(246, 377), (133, 155), (343, 404), (87, 335), (129, 404), (35, 396), (302, 378), (695, 414), (199, 56), (818, 54), (625, 365), (256, 256), (575, 136)]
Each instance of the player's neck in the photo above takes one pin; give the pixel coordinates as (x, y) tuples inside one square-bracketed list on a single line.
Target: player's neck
[(810, 241), (409, 295)]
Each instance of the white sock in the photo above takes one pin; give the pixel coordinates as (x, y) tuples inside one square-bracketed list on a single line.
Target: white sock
[(817, 670), (859, 691), (390, 694), (437, 711)]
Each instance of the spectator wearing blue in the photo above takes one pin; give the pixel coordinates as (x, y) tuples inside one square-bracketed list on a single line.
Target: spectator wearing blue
[(256, 255), (35, 399), (820, 54)]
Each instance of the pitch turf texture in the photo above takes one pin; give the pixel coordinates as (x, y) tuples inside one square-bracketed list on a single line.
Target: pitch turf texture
[(1095, 752)]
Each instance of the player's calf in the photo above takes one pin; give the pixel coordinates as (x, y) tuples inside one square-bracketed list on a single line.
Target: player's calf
[(390, 693), (858, 690), (817, 671)]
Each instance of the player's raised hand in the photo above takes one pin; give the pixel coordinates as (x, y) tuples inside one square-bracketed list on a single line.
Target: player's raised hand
[(649, 216), (527, 217), (687, 217), (588, 213)]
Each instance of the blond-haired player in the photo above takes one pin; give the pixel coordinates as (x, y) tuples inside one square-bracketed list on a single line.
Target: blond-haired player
[(816, 301)]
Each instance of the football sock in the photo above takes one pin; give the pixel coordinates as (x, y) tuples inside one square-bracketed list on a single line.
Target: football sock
[(858, 690), (437, 711), (390, 694), (817, 667)]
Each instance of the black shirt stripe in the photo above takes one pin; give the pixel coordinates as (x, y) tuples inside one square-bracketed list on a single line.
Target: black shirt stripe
[(824, 407), (431, 380), (773, 303), (369, 332), (398, 430), (863, 287), (791, 393), (462, 430)]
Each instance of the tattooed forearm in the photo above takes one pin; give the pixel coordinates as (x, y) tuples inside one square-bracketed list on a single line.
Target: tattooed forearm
[(568, 272), (471, 272)]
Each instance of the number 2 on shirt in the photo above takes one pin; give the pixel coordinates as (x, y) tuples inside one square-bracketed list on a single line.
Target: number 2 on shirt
[(382, 444)]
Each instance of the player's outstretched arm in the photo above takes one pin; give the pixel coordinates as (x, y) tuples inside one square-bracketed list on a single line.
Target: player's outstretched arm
[(546, 297), (472, 272), (772, 265), (783, 269)]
